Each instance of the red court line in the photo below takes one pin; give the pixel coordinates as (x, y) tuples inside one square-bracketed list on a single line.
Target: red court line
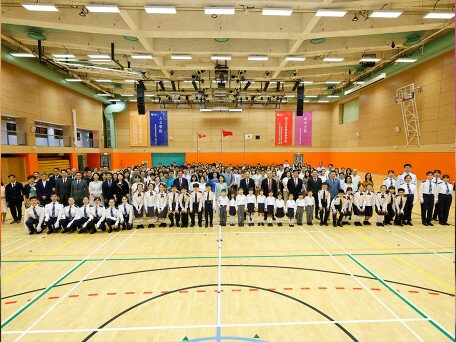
[(357, 288), (272, 289), (235, 290), (149, 292), (54, 297), (11, 302), (433, 293), (287, 288), (200, 291), (73, 296), (305, 288), (164, 292), (413, 291), (111, 293), (129, 292), (375, 289), (181, 291), (322, 288), (253, 289), (340, 288), (92, 294)]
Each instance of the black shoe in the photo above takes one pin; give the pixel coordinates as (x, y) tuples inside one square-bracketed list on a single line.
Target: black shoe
[(280, 224), (309, 223), (93, 231), (50, 231), (192, 225), (340, 225), (200, 225), (110, 230), (410, 223), (378, 224), (292, 225), (430, 224), (334, 224), (13, 222), (434, 219), (150, 225), (32, 232), (321, 223), (171, 225), (358, 224), (365, 223), (81, 231), (424, 223)]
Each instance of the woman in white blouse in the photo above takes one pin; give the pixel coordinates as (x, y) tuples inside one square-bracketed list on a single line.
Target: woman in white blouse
[(95, 188), (285, 188)]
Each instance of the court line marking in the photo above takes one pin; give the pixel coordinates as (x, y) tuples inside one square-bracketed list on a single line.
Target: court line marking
[(405, 300), (219, 280), (13, 241), (43, 257), (22, 309), (74, 287), (12, 250), (416, 268), (419, 237), (234, 325), (360, 282)]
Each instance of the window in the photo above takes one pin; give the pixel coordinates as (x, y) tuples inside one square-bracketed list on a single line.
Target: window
[(350, 111), (11, 127), (58, 132)]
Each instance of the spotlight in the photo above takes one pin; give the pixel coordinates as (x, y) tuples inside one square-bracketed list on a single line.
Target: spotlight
[(171, 72), (173, 84), (247, 85), (195, 86), (162, 86), (393, 45), (278, 86), (266, 86), (296, 84), (355, 18), (82, 13)]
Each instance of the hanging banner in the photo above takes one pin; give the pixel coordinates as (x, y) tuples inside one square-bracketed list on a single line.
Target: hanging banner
[(283, 123), (138, 129), (303, 129), (158, 128)]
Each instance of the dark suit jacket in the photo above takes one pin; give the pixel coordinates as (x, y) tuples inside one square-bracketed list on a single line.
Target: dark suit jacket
[(53, 181), (180, 185), (79, 191), (108, 191), (292, 189), (14, 195), (314, 186), (63, 190), (265, 186), (43, 190), (246, 184)]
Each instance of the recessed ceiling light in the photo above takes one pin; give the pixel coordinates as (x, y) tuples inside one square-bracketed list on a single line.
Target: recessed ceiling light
[(359, 82), (40, 7), (160, 9), (130, 81), (332, 82), (369, 59), (405, 60), (103, 81), (306, 82), (127, 95), (99, 56), (181, 57), (22, 54), (221, 58), (333, 59), (114, 100), (57, 55), (439, 15), (385, 14), (288, 96), (215, 81), (73, 80), (331, 13), (219, 10), (258, 58), (311, 96), (150, 95), (294, 58), (101, 61), (98, 8), (235, 110), (323, 101), (332, 96), (277, 11), (104, 95), (66, 59), (132, 100), (141, 56)]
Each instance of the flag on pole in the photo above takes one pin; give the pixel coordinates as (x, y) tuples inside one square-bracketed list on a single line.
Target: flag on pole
[(200, 135), (248, 136), (226, 133)]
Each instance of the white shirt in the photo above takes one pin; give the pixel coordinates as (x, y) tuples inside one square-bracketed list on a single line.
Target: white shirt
[(98, 213), (279, 203), (241, 200), (184, 201), (323, 194), (390, 182), (410, 189), (137, 199), (355, 182), (251, 198), (150, 199), (58, 210), (113, 214), (445, 188), (424, 189), (87, 215), (223, 201), (301, 202), (270, 200), (260, 199), (401, 178), (125, 209), (309, 201), (291, 204), (29, 213), (370, 199), (382, 203)]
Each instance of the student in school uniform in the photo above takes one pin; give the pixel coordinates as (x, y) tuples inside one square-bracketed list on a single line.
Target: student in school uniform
[(369, 204), (407, 172), (349, 198), (400, 201), (338, 208), (173, 206), (390, 181), (290, 208), (381, 205), (390, 206), (34, 217), (53, 213), (223, 203), (251, 204), (309, 202), (428, 197), (184, 207), (150, 199), (71, 216), (241, 205), (232, 209), (359, 199), (208, 205), (126, 213), (436, 180), (270, 205), (112, 216), (84, 222), (162, 206), (196, 197), (260, 207), (410, 192), (137, 201), (279, 207), (98, 213), (323, 204), (300, 208), (445, 198)]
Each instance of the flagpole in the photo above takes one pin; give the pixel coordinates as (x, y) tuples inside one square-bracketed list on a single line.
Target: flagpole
[(197, 147), (244, 148)]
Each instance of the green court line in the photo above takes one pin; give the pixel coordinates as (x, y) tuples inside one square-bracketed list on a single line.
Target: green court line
[(405, 300), (233, 256), (49, 288)]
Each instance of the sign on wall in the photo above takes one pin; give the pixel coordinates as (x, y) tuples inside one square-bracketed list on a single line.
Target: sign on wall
[(158, 128), (283, 123), (303, 129), (138, 129)]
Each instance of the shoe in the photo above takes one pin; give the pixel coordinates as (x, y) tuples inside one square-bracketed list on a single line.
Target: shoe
[(280, 224), (211, 225), (93, 231), (358, 224), (378, 224), (424, 224), (13, 222), (292, 225), (434, 219), (171, 225), (163, 225), (151, 225), (340, 225), (334, 224), (262, 223), (200, 225), (192, 225), (50, 231), (326, 224), (430, 224), (410, 223), (110, 230)]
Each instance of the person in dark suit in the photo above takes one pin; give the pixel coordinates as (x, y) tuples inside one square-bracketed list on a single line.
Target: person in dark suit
[(109, 189), (180, 182), (79, 189), (14, 198), (294, 184), (63, 187), (314, 184), (268, 184), (246, 183), (333, 184), (44, 189)]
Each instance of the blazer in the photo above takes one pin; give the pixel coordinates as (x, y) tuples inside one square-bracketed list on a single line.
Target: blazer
[(246, 184), (314, 186), (14, 194), (63, 190), (265, 186), (79, 191), (292, 189), (108, 191), (182, 184), (333, 186), (43, 190)]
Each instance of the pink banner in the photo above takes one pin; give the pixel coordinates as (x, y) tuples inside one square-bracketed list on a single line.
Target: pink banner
[(303, 129)]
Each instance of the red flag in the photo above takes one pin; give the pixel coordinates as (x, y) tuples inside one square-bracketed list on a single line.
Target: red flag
[(201, 135), (226, 133)]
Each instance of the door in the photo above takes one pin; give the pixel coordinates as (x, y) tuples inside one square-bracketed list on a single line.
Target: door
[(105, 161), (167, 159), (298, 159)]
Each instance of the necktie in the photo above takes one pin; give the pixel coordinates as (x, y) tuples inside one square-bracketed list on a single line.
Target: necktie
[(109, 183), (112, 213), (383, 196), (78, 184), (391, 182), (69, 213), (448, 189), (436, 180), (125, 209), (85, 211), (96, 211), (208, 196), (400, 203), (195, 196), (64, 180), (368, 193), (296, 182), (408, 188), (430, 187), (34, 213), (269, 184), (53, 210)]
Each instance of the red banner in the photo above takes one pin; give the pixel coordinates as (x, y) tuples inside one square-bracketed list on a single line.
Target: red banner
[(283, 125)]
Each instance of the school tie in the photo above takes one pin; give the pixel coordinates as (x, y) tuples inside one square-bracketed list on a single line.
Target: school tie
[(112, 213), (408, 188), (391, 182), (109, 183), (368, 194), (400, 203), (436, 181), (296, 182), (77, 185), (195, 196), (430, 187), (96, 211), (383, 196), (64, 180), (207, 196), (69, 213), (447, 188), (53, 210), (125, 209), (85, 211), (35, 213)]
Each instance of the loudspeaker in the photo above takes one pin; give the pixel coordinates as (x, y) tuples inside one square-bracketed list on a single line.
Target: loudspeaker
[(300, 100), (140, 97)]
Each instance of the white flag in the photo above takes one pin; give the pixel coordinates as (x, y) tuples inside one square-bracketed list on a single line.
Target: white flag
[(248, 136)]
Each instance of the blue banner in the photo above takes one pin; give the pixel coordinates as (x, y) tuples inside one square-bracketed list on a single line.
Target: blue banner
[(158, 128)]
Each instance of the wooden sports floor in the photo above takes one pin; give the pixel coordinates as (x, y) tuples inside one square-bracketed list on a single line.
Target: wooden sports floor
[(232, 284)]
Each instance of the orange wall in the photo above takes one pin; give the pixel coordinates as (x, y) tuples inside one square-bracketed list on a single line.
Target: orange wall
[(93, 160), (123, 160), (31, 163)]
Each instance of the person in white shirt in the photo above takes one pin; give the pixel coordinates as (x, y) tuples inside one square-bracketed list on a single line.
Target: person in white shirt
[(208, 205), (349, 198), (162, 205), (320, 167), (359, 200), (309, 202), (338, 206), (356, 180), (390, 181), (290, 208), (369, 204), (137, 201), (300, 208), (84, 222), (407, 172), (270, 206), (436, 180), (241, 204), (184, 207), (445, 198), (400, 202), (223, 203), (428, 197), (323, 175), (195, 206), (390, 206), (98, 213), (232, 209), (261, 207), (279, 207), (381, 205), (53, 213), (150, 199), (251, 205), (95, 187), (70, 217), (410, 192), (323, 204), (34, 217), (112, 215), (286, 165), (173, 205), (187, 175), (285, 185), (346, 184)]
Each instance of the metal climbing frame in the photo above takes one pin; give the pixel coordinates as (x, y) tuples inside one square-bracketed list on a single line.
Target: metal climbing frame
[(406, 97)]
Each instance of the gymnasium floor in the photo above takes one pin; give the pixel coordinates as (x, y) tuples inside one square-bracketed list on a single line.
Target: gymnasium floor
[(232, 284)]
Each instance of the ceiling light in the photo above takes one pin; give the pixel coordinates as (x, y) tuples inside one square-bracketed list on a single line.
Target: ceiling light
[(101, 61), (66, 59), (277, 11), (369, 59), (103, 81), (132, 100), (215, 81), (385, 14), (219, 10), (40, 7), (405, 60), (114, 100), (22, 54), (258, 58), (141, 56), (333, 59), (103, 95), (331, 13), (127, 95), (221, 58), (99, 56), (323, 101), (359, 82), (205, 109), (73, 80), (293, 58), (160, 9), (150, 95), (181, 57), (130, 81), (333, 96), (288, 96), (307, 82), (235, 110), (56, 55), (439, 15), (332, 82), (98, 8), (311, 96)]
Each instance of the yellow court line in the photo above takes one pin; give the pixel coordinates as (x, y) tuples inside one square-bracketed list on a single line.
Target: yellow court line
[(43, 257), (416, 268)]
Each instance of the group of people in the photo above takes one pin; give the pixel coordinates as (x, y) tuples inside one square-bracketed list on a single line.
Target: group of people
[(179, 196)]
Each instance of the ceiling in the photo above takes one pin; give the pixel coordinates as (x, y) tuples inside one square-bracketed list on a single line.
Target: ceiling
[(190, 31)]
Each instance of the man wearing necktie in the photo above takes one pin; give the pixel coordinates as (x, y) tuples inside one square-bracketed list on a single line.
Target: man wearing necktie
[(294, 184), (63, 187), (53, 212), (427, 198), (14, 198), (195, 208), (79, 189), (333, 184), (268, 184), (108, 189), (445, 198), (180, 182), (436, 180), (34, 216), (314, 184)]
